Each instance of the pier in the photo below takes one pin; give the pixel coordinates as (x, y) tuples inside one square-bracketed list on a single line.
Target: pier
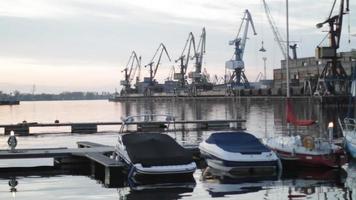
[(23, 129), (88, 155), (319, 100)]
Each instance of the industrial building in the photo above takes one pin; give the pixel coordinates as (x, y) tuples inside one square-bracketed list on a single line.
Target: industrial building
[(304, 72)]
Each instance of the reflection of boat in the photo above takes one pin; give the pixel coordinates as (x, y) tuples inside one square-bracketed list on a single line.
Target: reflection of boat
[(148, 122), (154, 192), (349, 132), (351, 178), (220, 183), (298, 183), (307, 151), (152, 156), (238, 152)]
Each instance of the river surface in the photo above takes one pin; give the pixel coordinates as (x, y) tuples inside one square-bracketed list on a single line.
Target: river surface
[(264, 118)]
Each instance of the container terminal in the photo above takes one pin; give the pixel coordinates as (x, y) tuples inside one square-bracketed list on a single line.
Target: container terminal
[(328, 74)]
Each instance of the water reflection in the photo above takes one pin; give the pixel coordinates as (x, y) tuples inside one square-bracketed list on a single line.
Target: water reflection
[(13, 183), (157, 191), (294, 183), (351, 180), (219, 183)]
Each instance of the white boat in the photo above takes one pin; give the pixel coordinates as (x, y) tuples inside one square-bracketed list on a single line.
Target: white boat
[(307, 151), (238, 153), (349, 131)]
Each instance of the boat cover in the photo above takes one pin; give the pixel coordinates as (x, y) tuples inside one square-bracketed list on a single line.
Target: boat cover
[(237, 142), (292, 119), (155, 149)]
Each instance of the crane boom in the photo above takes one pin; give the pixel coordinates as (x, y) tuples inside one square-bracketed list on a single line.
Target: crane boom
[(184, 59), (249, 20), (153, 69), (133, 65), (200, 51), (333, 79), (275, 31)]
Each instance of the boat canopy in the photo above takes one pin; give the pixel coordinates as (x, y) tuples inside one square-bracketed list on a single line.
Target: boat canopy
[(155, 149), (292, 119), (237, 142)]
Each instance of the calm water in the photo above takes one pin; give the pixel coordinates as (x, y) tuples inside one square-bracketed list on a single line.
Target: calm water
[(264, 118)]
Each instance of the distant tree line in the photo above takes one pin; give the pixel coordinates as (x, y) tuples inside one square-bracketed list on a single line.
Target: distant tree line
[(16, 95)]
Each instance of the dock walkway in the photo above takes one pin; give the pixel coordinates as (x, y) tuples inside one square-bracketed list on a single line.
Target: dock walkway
[(92, 127), (111, 172)]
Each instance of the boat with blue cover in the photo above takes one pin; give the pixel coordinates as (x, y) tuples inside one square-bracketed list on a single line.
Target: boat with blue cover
[(238, 152)]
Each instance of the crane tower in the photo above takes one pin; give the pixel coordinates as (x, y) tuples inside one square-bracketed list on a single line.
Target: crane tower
[(238, 78)]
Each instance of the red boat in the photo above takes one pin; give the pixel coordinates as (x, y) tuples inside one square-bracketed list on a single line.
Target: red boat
[(306, 150)]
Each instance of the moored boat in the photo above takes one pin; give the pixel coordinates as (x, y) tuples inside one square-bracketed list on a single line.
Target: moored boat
[(307, 151), (238, 152), (154, 156), (349, 131)]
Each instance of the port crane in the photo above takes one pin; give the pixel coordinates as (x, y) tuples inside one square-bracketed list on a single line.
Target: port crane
[(199, 52), (333, 79), (153, 65), (277, 35), (132, 67), (184, 59), (237, 64)]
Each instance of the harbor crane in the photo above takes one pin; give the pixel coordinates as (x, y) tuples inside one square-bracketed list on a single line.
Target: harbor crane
[(184, 59), (132, 67), (277, 35), (196, 75), (153, 65), (333, 79), (237, 64)]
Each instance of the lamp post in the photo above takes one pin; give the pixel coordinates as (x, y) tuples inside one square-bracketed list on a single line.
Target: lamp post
[(264, 65)]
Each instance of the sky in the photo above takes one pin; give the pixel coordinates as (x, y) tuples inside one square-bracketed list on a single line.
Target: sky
[(83, 45)]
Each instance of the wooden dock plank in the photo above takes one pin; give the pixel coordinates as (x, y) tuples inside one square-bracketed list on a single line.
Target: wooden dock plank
[(103, 160), (120, 123), (52, 153), (85, 144)]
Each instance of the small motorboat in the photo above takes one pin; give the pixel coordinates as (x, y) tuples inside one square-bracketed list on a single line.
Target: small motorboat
[(307, 151), (349, 132), (152, 157), (238, 153)]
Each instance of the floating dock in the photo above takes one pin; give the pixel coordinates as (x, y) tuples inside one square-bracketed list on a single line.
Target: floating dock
[(23, 129), (88, 155)]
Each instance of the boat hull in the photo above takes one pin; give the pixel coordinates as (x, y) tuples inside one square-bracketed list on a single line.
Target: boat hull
[(333, 160), (351, 148), (241, 167)]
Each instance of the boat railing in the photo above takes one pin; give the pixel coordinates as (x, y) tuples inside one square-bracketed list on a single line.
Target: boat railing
[(153, 119), (350, 125)]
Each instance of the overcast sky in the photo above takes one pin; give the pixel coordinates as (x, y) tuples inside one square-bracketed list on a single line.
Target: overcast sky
[(71, 45)]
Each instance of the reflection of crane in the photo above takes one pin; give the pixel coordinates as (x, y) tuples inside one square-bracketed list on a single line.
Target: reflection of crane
[(277, 35), (158, 55), (199, 53), (184, 59), (333, 78), (238, 77), (132, 66)]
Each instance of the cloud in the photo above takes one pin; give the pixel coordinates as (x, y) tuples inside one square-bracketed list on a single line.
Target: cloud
[(79, 34)]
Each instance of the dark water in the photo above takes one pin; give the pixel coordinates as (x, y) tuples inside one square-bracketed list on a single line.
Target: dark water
[(264, 118)]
